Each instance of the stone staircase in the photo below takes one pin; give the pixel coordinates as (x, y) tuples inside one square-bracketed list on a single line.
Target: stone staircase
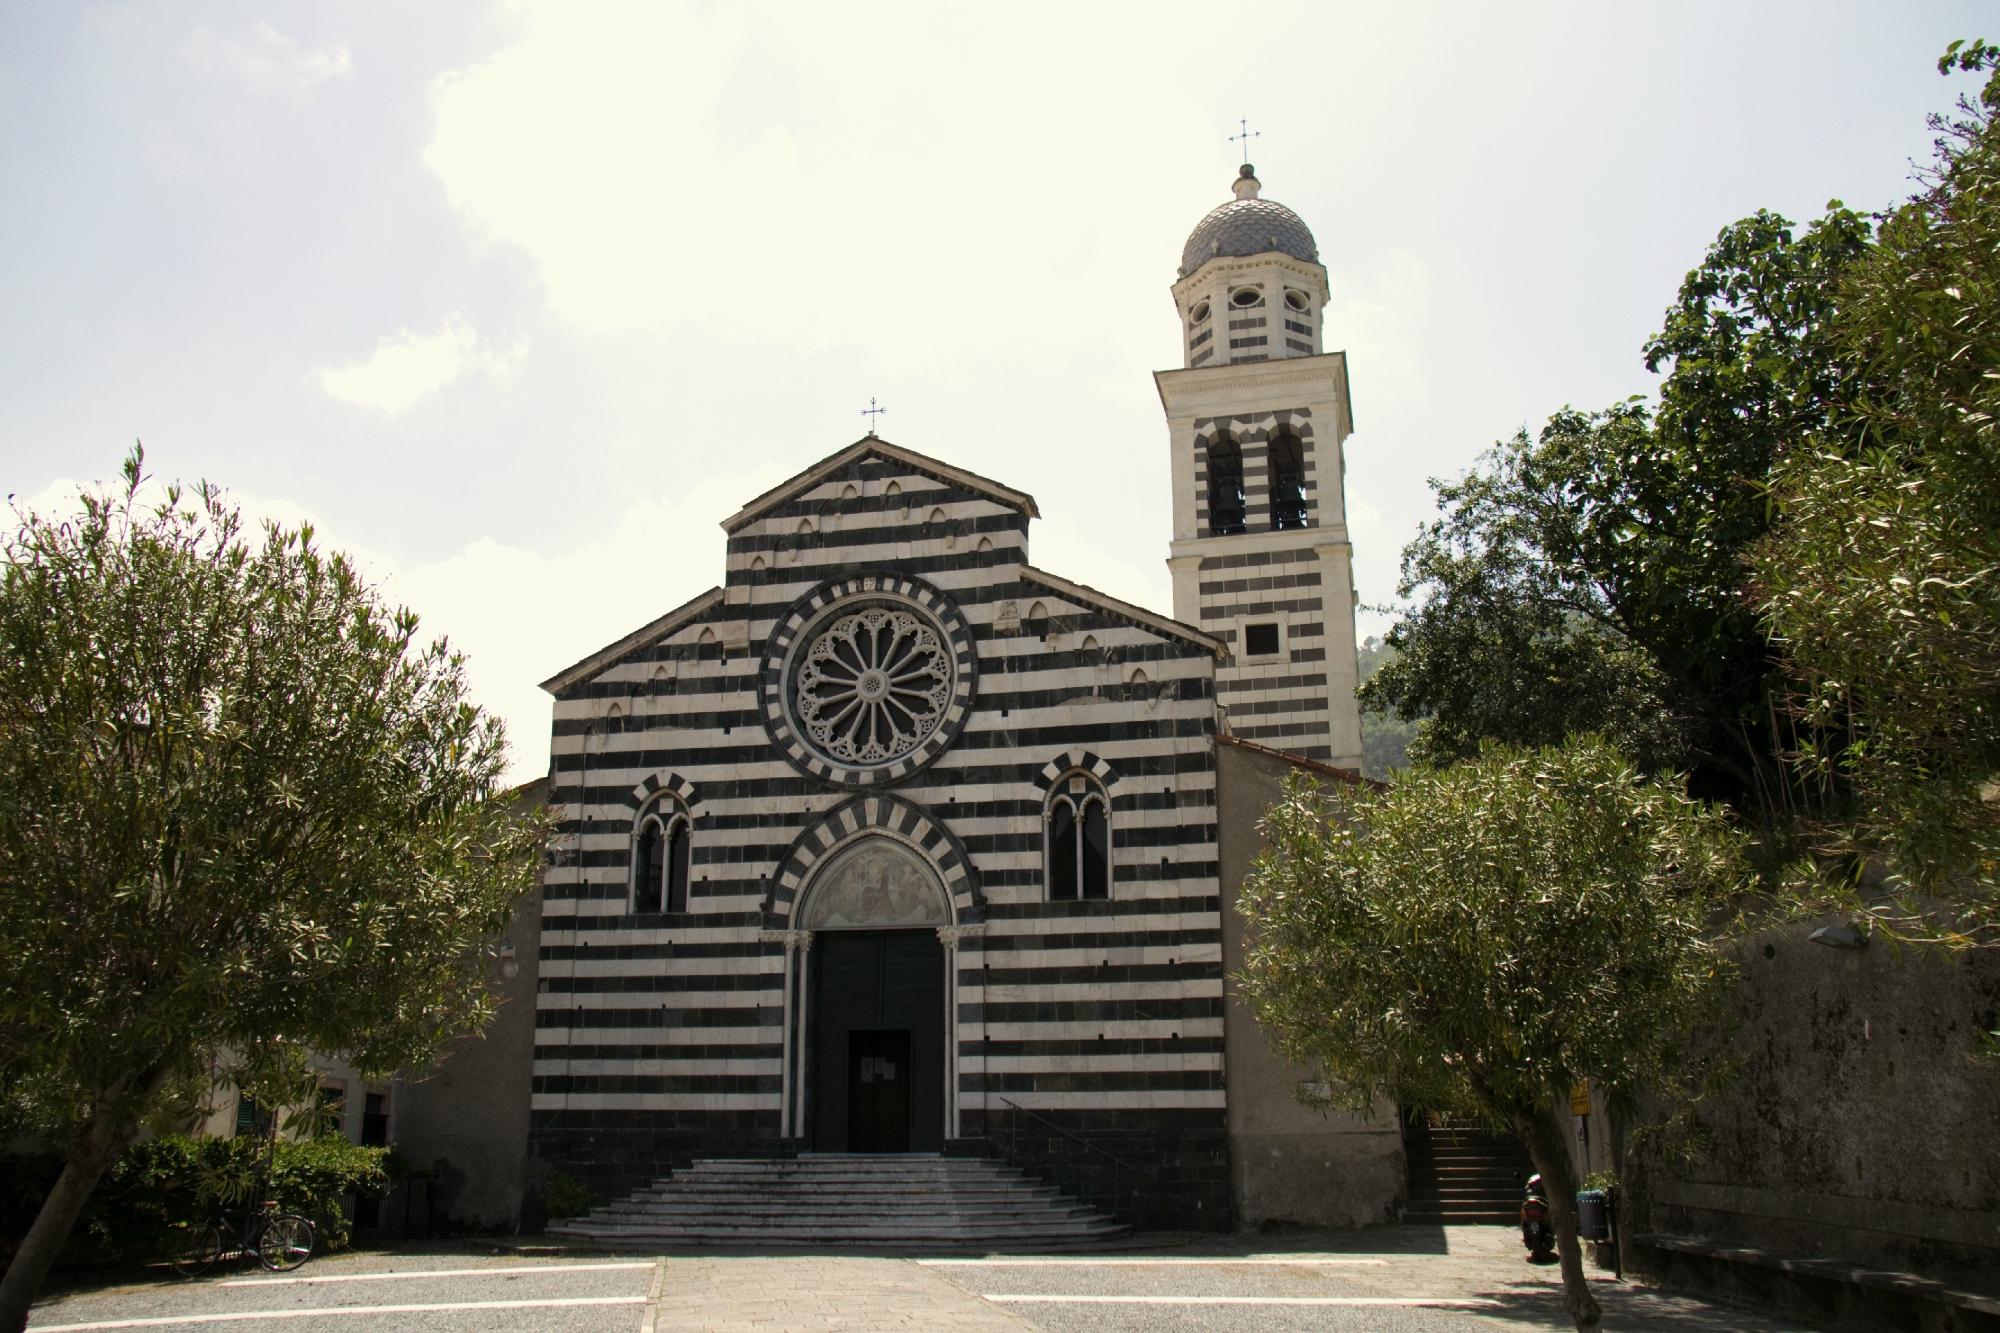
[(847, 1201), (1462, 1173)]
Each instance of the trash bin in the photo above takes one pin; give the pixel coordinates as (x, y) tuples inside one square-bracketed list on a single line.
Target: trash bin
[(1593, 1216)]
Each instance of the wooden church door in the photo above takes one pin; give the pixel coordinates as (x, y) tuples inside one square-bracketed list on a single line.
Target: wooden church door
[(878, 1091)]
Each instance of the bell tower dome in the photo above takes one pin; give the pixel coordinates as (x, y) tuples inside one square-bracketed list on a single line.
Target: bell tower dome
[(1251, 287), (1257, 418)]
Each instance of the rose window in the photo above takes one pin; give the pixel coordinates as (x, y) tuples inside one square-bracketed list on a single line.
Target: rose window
[(868, 679), (873, 686)]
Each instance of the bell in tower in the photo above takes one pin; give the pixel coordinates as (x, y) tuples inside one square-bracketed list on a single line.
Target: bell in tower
[(1257, 417)]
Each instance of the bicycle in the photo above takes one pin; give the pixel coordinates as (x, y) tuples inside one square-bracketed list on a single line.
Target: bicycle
[(280, 1241)]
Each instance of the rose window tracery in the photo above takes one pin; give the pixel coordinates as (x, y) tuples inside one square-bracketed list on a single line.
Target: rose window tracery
[(873, 686), (866, 680)]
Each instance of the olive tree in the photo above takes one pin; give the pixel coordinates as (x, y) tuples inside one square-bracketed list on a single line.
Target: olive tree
[(242, 808), (1481, 937), (1881, 580)]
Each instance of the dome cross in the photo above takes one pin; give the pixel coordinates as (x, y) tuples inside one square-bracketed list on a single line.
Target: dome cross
[(1246, 136)]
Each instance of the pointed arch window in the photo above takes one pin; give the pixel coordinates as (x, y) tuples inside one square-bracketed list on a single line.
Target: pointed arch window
[(1225, 488), (1078, 831), (1288, 482), (662, 853)]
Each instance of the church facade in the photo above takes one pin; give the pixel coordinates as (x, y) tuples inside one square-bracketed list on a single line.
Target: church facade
[(896, 842)]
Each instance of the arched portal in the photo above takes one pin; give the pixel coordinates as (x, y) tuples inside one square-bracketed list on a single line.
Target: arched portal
[(875, 1025)]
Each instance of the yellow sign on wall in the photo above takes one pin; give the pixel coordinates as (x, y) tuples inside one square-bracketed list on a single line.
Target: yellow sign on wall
[(1579, 1099)]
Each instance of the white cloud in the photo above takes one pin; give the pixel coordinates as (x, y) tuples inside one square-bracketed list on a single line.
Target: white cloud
[(721, 170), (266, 60), (405, 366)]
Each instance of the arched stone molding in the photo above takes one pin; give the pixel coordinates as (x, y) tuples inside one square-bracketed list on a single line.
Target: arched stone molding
[(874, 882), (862, 816), (1256, 429), (1069, 761), (676, 786)]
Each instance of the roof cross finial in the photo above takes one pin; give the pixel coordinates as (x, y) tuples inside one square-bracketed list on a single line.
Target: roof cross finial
[(1246, 136), (871, 412)]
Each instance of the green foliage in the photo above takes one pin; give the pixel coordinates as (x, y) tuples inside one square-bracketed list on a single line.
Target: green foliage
[(1385, 734), (1883, 579), (563, 1197), (1507, 646), (163, 1183), (1589, 579), (242, 807), (1480, 938), (239, 806)]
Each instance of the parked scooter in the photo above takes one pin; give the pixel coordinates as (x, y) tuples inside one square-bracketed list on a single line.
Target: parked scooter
[(1537, 1232)]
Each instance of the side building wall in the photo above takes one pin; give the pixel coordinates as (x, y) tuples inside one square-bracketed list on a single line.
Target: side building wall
[(1290, 1164), (466, 1121)]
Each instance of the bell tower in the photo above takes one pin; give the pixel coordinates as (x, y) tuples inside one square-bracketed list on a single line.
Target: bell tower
[(1257, 418)]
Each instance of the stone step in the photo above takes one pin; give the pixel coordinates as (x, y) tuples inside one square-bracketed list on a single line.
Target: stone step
[(1483, 1167), (884, 1179), (805, 1189), (912, 1228), (839, 1200), (809, 1193), (855, 1207), (918, 1227), (846, 1207), (844, 1171), (1016, 1244), (833, 1161)]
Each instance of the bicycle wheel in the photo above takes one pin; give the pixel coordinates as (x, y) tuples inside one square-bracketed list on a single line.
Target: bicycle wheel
[(285, 1243), (199, 1247)]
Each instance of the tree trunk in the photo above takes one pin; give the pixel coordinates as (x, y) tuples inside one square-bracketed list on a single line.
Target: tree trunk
[(95, 1149), (1543, 1133)]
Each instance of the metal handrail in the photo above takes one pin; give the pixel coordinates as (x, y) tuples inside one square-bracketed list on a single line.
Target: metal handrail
[(1119, 1166), (1074, 1138)]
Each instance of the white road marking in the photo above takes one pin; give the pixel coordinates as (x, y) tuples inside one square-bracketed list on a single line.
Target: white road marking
[(314, 1312), (1030, 1298), (432, 1272), (1258, 1261)]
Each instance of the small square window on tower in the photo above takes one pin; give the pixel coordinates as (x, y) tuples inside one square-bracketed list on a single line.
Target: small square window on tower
[(1260, 640)]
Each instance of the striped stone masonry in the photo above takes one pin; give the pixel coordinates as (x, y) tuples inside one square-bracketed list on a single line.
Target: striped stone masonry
[(663, 1036)]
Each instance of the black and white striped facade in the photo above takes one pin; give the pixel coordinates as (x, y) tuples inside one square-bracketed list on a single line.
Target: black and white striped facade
[(661, 1036)]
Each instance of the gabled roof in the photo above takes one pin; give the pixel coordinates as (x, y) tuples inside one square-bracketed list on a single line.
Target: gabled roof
[(880, 448), (1088, 596), (610, 653)]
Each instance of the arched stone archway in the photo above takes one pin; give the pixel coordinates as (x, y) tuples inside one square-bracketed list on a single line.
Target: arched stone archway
[(871, 998)]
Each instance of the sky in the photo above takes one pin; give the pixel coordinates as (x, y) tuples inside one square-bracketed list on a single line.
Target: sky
[(515, 302)]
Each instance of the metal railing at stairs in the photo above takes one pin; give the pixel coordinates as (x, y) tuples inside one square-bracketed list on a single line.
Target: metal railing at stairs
[(1122, 1171)]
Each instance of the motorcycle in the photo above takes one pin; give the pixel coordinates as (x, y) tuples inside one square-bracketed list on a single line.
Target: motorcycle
[(1537, 1232)]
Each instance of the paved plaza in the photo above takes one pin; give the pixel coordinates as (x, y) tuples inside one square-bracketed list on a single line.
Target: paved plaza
[(1397, 1279)]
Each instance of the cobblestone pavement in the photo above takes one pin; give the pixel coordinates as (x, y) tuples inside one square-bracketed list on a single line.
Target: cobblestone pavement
[(1392, 1279)]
